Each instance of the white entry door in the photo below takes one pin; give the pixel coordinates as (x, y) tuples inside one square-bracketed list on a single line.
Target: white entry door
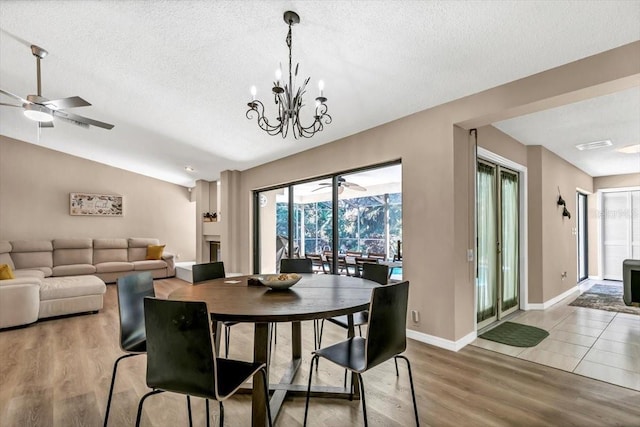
[(620, 230)]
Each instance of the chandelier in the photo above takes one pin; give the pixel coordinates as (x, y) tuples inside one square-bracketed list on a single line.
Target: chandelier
[(289, 100)]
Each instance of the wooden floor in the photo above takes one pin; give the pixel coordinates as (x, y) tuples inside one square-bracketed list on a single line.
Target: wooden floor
[(57, 373)]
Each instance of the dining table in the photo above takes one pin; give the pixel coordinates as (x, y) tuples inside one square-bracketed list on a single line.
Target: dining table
[(315, 296)]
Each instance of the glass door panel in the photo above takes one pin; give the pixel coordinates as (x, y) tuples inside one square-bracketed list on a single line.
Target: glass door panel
[(581, 237), (274, 229), (509, 241), (487, 280), (313, 217)]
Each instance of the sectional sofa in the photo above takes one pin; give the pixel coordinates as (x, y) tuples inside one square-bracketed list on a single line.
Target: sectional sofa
[(66, 276)]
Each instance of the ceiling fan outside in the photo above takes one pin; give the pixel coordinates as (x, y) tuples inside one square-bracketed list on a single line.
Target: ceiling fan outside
[(342, 184), (43, 110)]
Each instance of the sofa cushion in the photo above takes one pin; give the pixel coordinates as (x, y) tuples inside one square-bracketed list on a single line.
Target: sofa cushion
[(113, 267), (73, 269), (138, 247), (29, 273), (72, 244), (70, 286), (31, 254), (5, 257), (110, 244), (6, 272), (72, 251), (149, 265)]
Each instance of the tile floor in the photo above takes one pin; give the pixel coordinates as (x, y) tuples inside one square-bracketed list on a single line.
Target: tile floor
[(594, 343)]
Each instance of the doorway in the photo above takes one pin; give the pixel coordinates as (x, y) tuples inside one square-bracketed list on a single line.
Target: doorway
[(620, 230), (498, 242), (582, 237)]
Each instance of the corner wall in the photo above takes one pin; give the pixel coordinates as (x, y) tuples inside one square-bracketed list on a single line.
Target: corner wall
[(35, 183)]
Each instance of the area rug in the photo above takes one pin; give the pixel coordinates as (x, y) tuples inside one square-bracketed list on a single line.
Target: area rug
[(605, 297), (516, 334)]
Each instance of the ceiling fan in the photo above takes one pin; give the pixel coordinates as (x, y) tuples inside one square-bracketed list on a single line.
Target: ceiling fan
[(43, 110), (342, 184)]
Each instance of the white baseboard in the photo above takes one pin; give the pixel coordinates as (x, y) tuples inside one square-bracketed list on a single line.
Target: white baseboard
[(441, 342), (552, 301)]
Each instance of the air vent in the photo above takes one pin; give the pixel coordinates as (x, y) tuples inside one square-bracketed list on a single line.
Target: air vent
[(593, 145)]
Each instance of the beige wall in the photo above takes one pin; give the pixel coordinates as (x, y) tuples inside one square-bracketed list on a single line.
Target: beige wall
[(436, 182), (617, 181), (559, 247), (35, 183)]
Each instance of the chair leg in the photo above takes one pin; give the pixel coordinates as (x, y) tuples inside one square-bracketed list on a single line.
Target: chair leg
[(208, 413), (413, 392), (227, 333), (139, 416), (189, 410), (306, 405), (221, 413), (266, 395), (396, 362), (364, 404), (113, 382)]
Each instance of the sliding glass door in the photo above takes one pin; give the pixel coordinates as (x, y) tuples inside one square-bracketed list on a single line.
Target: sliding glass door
[(498, 223), (307, 218)]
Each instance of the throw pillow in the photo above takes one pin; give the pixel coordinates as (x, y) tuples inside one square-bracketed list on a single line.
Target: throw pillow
[(155, 251), (5, 272)]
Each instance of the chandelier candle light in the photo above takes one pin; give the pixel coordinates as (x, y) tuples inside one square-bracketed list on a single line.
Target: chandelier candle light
[(289, 100)]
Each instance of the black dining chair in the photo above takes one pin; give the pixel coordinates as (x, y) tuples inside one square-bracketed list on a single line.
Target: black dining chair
[(131, 291), (210, 271), (181, 356), (386, 338), (376, 272), (300, 265), (296, 265)]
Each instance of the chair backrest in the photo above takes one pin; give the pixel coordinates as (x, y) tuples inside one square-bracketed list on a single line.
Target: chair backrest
[(180, 355), (353, 253), (377, 272), (296, 265), (132, 290), (208, 271), (374, 255), (387, 333)]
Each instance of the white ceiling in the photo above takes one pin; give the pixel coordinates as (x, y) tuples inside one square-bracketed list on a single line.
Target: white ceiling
[(174, 76), (614, 117)]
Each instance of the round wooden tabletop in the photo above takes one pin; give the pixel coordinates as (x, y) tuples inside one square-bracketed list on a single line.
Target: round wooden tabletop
[(315, 296)]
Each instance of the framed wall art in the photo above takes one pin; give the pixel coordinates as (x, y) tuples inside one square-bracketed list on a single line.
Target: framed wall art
[(95, 204)]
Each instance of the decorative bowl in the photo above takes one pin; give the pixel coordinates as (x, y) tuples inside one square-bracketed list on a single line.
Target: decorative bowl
[(279, 281)]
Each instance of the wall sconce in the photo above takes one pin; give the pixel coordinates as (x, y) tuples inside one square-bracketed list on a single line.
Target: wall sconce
[(561, 202)]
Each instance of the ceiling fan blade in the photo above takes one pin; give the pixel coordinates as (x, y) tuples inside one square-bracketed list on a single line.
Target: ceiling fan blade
[(10, 105), (45, 124), (322, 185), (19, 98), (81, 119), (75, 122), (71, 102), (353, 186)]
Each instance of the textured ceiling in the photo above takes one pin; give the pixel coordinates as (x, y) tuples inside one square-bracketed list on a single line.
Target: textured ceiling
[(174, 76), (614, 117)]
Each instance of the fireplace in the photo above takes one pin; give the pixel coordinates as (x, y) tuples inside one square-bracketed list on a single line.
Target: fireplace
[(214, 251)]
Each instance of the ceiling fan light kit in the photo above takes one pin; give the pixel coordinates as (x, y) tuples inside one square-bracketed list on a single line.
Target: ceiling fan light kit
[(43, 110), (37, 113), (289, 100)]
